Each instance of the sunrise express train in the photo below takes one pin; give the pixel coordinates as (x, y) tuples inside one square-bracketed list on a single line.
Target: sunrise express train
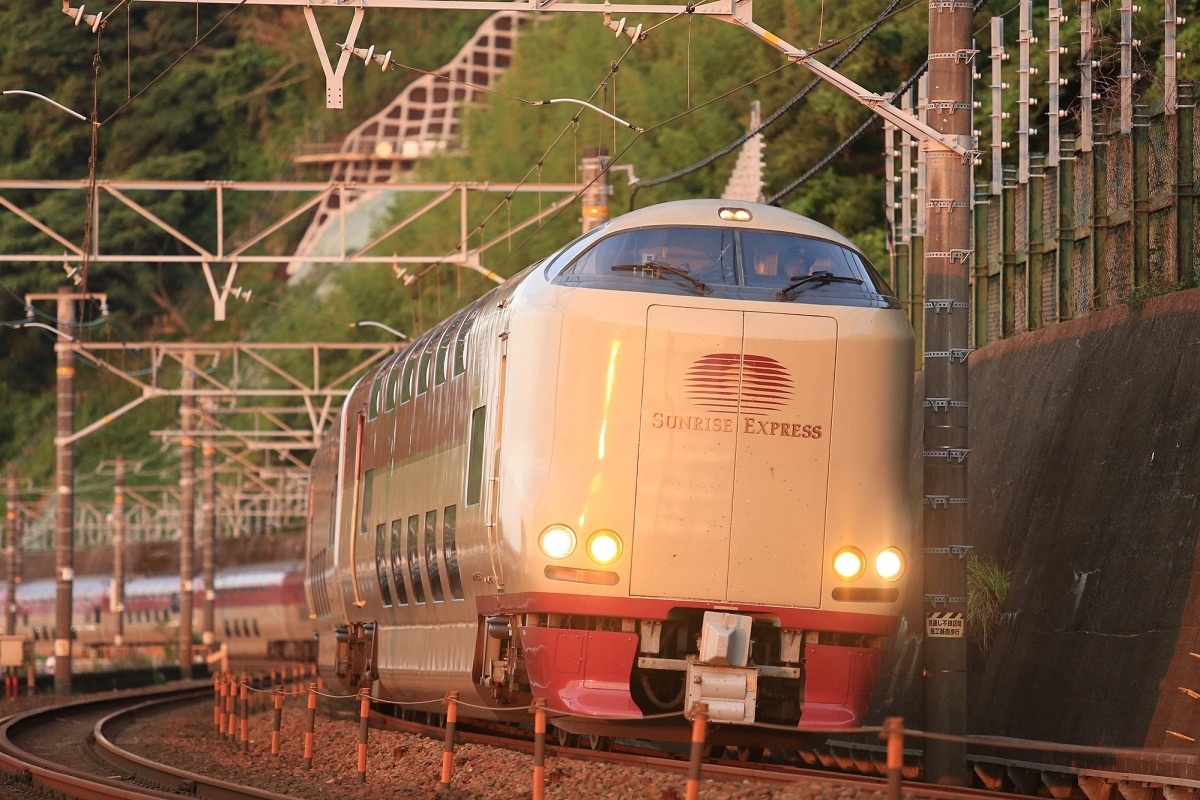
[(260, 611), (667, 464)]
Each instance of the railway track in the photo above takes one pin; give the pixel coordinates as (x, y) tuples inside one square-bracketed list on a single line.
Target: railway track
[(74, 750), (68, 750)]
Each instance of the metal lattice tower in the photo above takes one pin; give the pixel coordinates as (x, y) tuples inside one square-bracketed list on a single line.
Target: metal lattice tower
[(421, 121)]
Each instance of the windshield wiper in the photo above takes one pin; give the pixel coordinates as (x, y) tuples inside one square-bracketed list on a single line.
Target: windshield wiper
[(659, 269), (820, 278)]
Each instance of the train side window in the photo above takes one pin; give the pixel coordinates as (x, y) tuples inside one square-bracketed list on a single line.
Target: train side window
[(389, 387), (441, 367), (376, 401), (227, 633), (460, 348), (475, 457), (431, 557), (450, 551), (398, 561), (414, 558), (174, 603), (365, 490), (406, 381), (385, 589), (425, 370)]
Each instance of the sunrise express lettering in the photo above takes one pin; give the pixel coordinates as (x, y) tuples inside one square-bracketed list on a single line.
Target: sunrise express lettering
[(754, 427)]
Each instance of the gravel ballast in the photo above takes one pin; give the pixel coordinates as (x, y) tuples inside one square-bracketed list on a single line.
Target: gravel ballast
[(408, 766)]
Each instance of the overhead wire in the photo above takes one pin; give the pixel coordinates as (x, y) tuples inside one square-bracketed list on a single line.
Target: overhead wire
[(863, 34)]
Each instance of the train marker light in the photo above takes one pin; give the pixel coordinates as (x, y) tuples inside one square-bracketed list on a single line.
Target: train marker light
[(557, 541), (735, 215), (849, 563), (604, 547), (890, 564)]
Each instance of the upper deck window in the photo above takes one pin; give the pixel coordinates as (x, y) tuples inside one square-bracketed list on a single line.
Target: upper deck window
[(728, 263)]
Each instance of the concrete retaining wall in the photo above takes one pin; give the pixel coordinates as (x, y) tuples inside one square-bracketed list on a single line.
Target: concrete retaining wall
[(1084, 478)]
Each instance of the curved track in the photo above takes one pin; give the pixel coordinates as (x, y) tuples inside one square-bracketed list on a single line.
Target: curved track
[(68, 750)]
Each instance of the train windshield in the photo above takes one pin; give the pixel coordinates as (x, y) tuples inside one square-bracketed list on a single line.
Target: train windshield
[(721, 262)]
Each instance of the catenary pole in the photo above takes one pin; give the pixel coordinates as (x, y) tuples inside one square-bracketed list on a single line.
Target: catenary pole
[(118, 544), (14, 554), (947, 327), (64, 528), (187, 513)]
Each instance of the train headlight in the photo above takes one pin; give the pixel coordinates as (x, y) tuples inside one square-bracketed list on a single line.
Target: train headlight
[(730, 214), (604, 547), (557, 541), (849, 563), (890, 564)]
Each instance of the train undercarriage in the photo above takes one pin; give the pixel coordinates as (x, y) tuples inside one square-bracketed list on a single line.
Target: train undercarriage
[(746, 669)]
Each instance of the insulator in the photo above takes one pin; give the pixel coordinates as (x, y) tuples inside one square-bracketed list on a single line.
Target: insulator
[(1033, 101), (1136, 42), (1033, 131), (1033, 40), (1063, 18), (1004, 115), (1136, 76), (1062, 81), (912, 196), (897, 205), (1062, 51), (1136, 9), (1062, 113), (976, 104), (1033, 70), (1181, 20), (895, 154), (975, 76), (976, 161), (1095, 63), (896, 179), (1181, 55), (1095, 95), (1004, 56), (1004, 145), (1004, 86), (976, 133)]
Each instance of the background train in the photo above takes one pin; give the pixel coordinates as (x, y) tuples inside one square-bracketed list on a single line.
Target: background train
[(667, 464), (260, 612)]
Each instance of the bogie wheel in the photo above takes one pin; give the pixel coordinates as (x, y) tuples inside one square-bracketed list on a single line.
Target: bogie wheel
[(597, 742), (566, 739), (749, 754)]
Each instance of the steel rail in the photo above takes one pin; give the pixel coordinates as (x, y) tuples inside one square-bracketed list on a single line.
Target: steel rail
[(22, 734)]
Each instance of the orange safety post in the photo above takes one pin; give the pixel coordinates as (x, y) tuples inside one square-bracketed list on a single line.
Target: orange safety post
[(539, 749), (364, 722), (277, 697), (217, 704), (230, 710), (893, 731), (699, 733), (448, 747), (310, 725), (245, 732)]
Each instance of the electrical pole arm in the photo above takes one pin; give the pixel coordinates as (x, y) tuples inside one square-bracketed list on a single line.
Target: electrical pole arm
[(740, 14)]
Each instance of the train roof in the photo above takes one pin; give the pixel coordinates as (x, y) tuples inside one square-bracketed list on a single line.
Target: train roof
[(706, 212), (83, 587), (255, 575)]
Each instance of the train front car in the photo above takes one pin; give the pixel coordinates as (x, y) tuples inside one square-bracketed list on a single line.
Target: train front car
[(702, 492), (666, 465)]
